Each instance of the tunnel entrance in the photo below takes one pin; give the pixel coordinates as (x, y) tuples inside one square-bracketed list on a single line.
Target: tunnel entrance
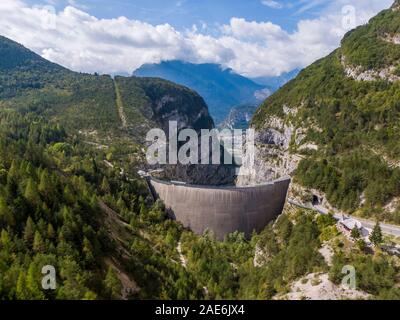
[(316, 201)]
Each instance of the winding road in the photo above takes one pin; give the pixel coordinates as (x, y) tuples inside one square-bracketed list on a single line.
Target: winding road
[(387, 229)]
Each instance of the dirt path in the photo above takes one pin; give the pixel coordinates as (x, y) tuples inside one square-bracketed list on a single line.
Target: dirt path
[(119, 232), (97, 145), (120, 106), (129, 286)]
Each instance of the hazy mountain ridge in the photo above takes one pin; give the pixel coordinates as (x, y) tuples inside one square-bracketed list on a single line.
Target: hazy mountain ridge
[(275, 82)]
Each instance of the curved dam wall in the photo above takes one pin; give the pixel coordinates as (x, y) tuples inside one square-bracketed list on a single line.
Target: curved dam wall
[(222, 210)]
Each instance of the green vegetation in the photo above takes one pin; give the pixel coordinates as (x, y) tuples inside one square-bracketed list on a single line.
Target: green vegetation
[(354, 123), (57, 208), (86, 103), (345, 178), (366, 47), (376, 236), (52, 189), (60, 205), (153, 98), (227, 269), (375, 274), (355, 233)]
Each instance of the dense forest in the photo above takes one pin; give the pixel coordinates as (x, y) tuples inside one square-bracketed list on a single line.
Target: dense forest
[(60, 205)]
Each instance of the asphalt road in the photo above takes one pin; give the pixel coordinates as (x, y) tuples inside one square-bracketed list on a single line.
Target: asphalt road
[(388, 229)]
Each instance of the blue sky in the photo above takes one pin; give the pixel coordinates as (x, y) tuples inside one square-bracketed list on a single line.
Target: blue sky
[(184, 13), (253, 37)]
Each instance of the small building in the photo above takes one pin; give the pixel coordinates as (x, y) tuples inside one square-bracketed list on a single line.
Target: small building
[(346, 225)]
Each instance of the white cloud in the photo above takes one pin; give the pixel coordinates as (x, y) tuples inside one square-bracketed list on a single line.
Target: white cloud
[(272, 4), (82, 42)]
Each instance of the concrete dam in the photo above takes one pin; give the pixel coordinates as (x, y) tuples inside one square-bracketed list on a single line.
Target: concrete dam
[(222, 210)]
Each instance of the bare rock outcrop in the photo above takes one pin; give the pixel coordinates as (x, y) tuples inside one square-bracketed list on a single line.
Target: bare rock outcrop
[(359, 73), (272, 156)]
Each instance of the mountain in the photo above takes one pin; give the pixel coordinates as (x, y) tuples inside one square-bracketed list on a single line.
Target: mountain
[(102, 109), (335, 127), (275, 82), (239, 117), (221, 88), (84, 102)]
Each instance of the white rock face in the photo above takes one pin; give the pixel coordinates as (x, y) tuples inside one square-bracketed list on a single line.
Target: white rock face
[(395, 38), (319, 287), (272, 158), (260, 257), (359, 74)]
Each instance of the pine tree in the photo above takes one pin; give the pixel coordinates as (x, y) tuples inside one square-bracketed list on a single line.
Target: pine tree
[(88, 251), (68, 195), (143, 208), (6, 216), (31, 192), (38, 244), (105, 186), (51, 234), (29, 231), (355, 233), (376, 236), (90, 295), (121, 204), (45, 185), (20, 290), (4, 239), (12, 186), (361, 244), (32, 284), (113, 284), (13, 172)]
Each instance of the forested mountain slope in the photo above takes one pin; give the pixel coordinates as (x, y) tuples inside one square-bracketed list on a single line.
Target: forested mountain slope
[(88, 103), (336, 126)]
